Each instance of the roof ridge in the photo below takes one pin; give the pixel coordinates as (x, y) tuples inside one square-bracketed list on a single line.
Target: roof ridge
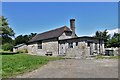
[(52, 30), (50, 34)]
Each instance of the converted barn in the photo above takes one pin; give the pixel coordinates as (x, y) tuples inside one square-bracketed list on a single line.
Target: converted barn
[(64, 41)]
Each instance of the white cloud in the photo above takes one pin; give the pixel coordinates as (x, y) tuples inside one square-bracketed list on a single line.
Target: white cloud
[(111, 32), (93, 34)]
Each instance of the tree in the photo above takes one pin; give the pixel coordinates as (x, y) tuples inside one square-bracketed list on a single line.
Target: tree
[(7, 46), (6, 32), (103, 35), (24, 38), (32, 35), (114, 41), (21, 39)]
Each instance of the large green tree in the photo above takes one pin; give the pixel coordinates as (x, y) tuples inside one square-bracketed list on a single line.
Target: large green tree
[(6, 32), (114, 41), (24, 38), (103, 34), (21, 39)]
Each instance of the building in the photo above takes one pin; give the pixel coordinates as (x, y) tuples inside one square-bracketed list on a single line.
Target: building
[(64, 41), (113, 51), (20, 47)]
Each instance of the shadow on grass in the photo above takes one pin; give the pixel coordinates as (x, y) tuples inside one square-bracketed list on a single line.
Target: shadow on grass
[(8, 53)]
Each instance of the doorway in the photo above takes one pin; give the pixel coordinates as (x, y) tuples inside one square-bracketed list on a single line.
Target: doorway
[(62, 49)]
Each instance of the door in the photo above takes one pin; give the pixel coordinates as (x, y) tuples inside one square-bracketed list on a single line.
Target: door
[(90, 45), (32, 49), (91, 48), (62, 49)]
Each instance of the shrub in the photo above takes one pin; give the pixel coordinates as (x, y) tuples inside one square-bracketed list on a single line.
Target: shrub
[(22, 51), (7, 46)]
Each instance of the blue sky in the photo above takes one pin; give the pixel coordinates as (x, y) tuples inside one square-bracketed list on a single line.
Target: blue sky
[(27, 17)]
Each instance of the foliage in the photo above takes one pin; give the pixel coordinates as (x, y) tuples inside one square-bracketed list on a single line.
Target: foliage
[(6, 32), (7, 46), (31, 35), (103, 35), (13, 65), (110, 41), (6, 40), (3, 51), (22, 51), (23, 38), (114, 41)]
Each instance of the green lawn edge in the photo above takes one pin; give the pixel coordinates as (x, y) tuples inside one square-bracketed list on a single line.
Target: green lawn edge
[(11, 68), (107, 57)]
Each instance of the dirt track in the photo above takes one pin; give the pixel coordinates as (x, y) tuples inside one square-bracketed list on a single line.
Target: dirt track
[(76, 68)]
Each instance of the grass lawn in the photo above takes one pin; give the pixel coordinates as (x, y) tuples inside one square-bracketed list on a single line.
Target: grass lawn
[(0, 66), (15, 64)]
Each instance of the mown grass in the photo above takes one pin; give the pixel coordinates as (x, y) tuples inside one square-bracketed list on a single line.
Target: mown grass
[(13, 65), (107, 57), (0, 66)]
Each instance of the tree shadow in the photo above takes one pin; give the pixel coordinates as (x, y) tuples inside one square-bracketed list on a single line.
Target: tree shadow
[(8, 53)]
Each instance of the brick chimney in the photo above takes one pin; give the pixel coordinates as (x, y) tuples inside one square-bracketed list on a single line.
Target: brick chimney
[(72, 27)]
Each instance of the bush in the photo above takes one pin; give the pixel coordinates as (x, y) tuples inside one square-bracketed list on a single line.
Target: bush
[(22, 51), (7, 46)]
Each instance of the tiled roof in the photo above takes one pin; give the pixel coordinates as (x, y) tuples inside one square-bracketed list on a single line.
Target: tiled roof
[(19, 45), (50, 34)]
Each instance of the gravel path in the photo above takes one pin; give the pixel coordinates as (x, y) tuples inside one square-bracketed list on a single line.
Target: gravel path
[(76, 68)]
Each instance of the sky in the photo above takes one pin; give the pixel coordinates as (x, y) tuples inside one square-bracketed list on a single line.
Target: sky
[(60, 0), (37, 17)]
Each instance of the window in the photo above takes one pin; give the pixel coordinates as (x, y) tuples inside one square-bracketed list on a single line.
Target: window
[(88, 44), (76, 43), (70, 45), (39, 45), (95, 46)]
